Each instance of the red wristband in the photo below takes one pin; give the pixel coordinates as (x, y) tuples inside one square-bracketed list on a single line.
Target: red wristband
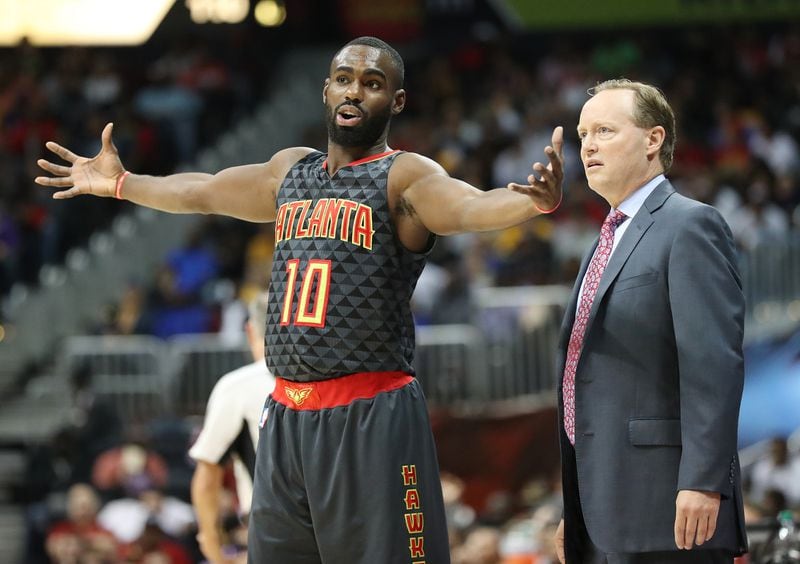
[(552, 210), (120, 181)]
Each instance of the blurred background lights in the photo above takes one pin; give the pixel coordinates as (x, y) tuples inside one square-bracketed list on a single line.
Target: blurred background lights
[(218, 11), (81, 22), (270, 13)]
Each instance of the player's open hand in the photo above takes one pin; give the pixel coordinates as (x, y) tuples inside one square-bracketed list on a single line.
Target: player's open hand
[(546, 189), (97, 176)]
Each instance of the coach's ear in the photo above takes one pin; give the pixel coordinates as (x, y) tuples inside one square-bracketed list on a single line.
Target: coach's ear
[(325, 91)]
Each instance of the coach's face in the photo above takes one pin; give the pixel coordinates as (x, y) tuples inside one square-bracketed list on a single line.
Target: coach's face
[(361, 96), (618, 156)]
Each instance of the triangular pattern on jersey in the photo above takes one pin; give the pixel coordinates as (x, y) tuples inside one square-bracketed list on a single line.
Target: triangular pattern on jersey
[(368, 325)]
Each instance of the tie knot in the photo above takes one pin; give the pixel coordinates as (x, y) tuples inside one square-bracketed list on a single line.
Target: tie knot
[(614, 219)]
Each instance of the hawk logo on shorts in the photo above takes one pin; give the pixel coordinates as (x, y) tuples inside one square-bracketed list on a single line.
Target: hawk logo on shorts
[(298, 395), (264, 415)]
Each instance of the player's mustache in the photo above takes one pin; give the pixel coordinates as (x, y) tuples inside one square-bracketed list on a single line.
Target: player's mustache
[(352, 105)]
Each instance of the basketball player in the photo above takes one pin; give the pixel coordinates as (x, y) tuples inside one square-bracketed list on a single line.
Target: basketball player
[(346, 470), (231, 430)]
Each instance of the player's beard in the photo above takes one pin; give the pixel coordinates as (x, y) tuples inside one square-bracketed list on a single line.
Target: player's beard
[(365, 134)]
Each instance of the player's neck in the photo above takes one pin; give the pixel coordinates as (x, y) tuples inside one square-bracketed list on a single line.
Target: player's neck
[(339, 156)]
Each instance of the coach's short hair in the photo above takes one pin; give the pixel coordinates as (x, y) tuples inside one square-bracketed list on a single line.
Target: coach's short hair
[(650, 109)]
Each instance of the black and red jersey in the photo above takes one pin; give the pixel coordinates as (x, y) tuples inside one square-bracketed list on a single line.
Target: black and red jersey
[(341, 281)]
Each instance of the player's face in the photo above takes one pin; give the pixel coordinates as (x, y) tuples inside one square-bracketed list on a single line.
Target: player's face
[(360, 96), (614, 150)]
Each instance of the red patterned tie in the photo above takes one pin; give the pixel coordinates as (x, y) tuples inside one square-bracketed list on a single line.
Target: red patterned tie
[(590, 284)]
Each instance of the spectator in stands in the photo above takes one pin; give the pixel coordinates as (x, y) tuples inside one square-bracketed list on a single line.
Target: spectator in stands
[(154, 547), (127, 518), (231, 430), (172, 105), (773, 502), (778, 471), (453, 304), (127, 317), (79, 534), (93, 427), (777, 148), (129, 469), (482, 546), (171, 312), (759, 221), (460, 516)]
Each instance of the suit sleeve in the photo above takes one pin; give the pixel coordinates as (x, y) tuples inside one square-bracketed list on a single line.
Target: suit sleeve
[(705, 294)]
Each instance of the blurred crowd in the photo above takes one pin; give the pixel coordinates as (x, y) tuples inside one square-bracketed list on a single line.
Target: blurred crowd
[(485, 110), (165, 105)]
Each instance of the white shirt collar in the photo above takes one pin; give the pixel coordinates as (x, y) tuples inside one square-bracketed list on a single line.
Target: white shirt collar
[(630, 206)]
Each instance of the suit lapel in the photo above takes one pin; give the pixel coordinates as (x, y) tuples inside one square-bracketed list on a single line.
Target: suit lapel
[(638, 227)]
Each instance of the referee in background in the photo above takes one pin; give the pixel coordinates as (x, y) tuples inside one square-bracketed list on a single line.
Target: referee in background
[(230, 430)]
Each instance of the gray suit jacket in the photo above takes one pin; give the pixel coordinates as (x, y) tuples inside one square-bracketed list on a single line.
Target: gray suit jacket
[(659, 382)]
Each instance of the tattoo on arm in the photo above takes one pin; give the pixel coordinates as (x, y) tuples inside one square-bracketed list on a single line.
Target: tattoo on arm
[(404, 207)]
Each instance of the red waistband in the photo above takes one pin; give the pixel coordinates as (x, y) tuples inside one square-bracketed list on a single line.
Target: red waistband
[(337, 391)]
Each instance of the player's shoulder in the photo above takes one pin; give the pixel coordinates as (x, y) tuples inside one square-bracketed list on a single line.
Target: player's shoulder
[(410, 167), (280, 163), (290, 156), (408, 159)]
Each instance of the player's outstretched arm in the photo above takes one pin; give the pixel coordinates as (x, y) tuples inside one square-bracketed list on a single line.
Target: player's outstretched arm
[(445, 205), (246, 192)]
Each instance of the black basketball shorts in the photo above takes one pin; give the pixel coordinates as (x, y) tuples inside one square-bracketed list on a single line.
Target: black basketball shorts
[(346, 473)]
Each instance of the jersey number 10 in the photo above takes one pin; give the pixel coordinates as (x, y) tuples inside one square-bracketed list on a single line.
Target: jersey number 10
[(316, 275)]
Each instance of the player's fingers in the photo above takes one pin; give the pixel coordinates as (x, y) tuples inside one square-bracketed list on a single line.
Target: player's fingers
[(546, 175), (556, 161), (58, 182), (526, 189), (558, 140), (62, 152), (54, 168), (67, 194), (105, 137), (522, 188)]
